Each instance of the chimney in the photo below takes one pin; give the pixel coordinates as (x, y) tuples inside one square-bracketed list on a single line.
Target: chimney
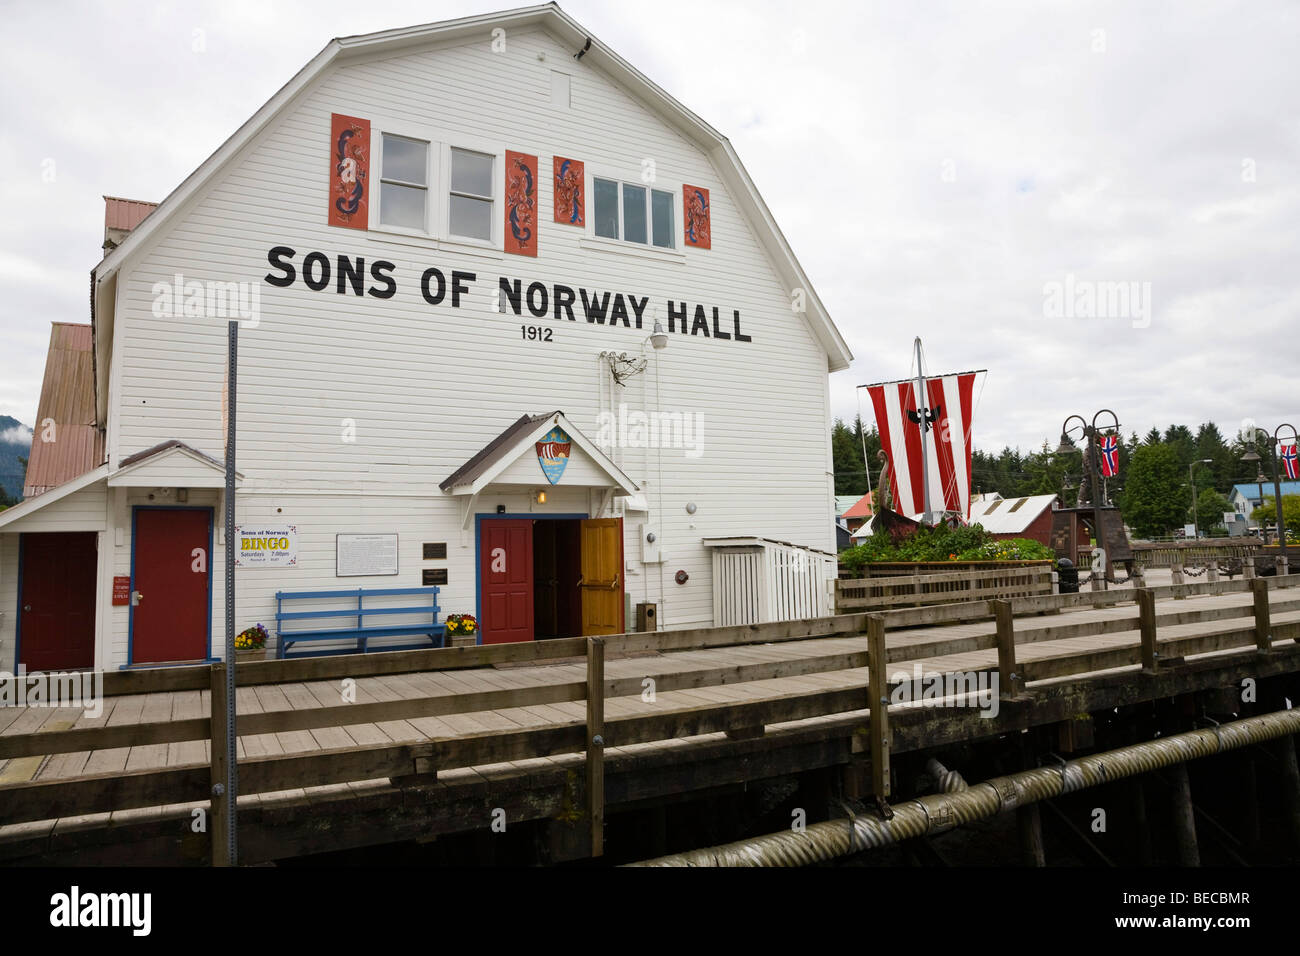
[(120, 217)]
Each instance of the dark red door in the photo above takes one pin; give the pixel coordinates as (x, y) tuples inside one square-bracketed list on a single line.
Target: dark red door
[(505, 560), (170, 585), (57, 606)]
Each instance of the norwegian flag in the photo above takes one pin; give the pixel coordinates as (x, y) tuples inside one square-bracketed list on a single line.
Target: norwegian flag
[(1290, 461), (1109, 456), (949, 400)]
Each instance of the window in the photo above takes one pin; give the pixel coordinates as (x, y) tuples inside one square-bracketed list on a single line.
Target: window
[(470, 213), (633, 213), (404, 183)]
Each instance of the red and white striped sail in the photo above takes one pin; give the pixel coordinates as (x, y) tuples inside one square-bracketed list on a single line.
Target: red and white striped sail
[(948, 442)]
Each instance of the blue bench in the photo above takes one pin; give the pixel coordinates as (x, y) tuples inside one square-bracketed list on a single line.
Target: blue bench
[(362, 633)]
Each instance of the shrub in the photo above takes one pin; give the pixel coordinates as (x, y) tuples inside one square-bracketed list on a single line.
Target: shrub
[(941, 543)]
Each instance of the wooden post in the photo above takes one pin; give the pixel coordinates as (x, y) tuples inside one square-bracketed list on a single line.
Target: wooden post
[(877, 686), (1010, 684), (1248, 568), (1213, 576), (1263, 626), (1281, 565), (1139, 576), (1176, 577), (219, 817), (596, 742), (1146, 602), (1184, 819), (1141, 829)]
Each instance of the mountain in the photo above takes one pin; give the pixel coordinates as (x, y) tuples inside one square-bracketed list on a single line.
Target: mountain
[(15, 443)]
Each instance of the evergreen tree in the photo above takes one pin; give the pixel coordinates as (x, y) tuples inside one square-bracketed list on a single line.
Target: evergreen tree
[(1157, 496)]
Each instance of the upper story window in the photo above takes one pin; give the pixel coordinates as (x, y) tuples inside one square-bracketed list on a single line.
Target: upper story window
[(404, 183), (633, 213), (470, 211)]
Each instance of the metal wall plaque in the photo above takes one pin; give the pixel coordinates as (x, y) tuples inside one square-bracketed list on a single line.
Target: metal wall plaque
[(434, 576), (436, 551)]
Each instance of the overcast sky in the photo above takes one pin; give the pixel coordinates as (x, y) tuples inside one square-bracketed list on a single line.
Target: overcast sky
[(935, 166)]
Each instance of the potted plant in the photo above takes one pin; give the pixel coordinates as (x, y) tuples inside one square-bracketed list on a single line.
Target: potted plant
[(461, 629), (250, 644)]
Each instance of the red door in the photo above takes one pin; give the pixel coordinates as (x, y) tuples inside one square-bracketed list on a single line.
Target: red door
[(505, 560), (170, 592), (57, 606)]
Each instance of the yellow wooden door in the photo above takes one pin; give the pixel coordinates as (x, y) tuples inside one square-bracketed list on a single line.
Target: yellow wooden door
[(602, 577)]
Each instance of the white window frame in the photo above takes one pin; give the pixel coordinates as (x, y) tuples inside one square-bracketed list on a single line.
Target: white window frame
[(498, 152), (377, 135), (674, 189), (437, 207)]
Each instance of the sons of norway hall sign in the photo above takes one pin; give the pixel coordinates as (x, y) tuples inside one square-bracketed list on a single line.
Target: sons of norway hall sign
[(346, 275)]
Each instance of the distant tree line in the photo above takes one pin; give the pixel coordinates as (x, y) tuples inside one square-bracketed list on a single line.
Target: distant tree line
[(1151, 488)]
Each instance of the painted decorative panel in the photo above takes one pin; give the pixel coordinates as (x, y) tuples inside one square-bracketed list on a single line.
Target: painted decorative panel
[(570, 205), (521, 204), (349, 172), (695, 218)]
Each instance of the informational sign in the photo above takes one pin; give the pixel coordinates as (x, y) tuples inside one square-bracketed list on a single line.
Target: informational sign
[(432, 576), (121, 590), (263, 546), (361, 554), (1189, 531)]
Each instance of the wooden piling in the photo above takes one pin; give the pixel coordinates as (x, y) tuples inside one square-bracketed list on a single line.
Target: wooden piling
[(1263, 625), (596, 742), (1285, 749), (1183, 817), (219, 817), (1146, 602), (1010, 684), (877, 684)]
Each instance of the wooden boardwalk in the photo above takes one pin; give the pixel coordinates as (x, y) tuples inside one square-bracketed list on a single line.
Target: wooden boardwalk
[(1067, 643)]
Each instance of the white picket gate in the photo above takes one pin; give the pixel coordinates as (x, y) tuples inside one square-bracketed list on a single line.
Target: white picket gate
[(757, 580)]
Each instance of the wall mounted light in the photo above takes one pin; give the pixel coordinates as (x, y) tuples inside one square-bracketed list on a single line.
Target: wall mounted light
[(658, 338), (501, 509), (690, 507), (540, 497)]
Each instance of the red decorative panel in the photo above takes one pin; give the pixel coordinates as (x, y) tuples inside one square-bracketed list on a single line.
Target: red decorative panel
[(521, 204), (695, 217), (349, 172), (570, 209)]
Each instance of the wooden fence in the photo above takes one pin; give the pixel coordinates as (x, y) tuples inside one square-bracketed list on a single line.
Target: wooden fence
[(413, 763), (871, 593), (1166, 554)]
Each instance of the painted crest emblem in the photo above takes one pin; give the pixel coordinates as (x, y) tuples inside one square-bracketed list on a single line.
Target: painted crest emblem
[(553, 453)]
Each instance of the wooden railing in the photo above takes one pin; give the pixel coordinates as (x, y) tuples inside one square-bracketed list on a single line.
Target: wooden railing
[(1166, 554), (417, 762), (883, 593)]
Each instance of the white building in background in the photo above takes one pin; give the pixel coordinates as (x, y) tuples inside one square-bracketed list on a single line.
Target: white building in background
[(447, 248)]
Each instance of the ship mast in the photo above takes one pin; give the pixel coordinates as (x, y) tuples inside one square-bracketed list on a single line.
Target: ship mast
[(926, 517)]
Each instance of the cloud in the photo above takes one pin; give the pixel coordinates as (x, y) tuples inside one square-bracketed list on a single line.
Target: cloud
[(932, 166), (18, 435)]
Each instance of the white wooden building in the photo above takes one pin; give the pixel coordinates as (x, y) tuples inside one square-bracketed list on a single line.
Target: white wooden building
[(407, 352)]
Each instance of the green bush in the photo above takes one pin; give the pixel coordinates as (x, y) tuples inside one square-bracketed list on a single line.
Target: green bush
[(942, 543)]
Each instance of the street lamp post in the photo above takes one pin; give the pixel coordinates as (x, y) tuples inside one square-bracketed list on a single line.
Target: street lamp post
[(1196, 531), (1277, 495)]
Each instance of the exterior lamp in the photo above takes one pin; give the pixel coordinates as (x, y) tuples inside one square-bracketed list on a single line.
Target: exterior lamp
[(659, 338)]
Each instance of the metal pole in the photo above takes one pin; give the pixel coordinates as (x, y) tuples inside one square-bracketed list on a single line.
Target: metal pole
[(1277, 501), (232, 775), (1093, 447), (920, 409), (1196, 531)]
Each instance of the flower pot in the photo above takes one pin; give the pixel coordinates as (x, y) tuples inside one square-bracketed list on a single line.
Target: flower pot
[(255, 654)]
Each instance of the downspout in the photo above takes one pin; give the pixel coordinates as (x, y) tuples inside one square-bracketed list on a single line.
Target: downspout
[(939, 812)]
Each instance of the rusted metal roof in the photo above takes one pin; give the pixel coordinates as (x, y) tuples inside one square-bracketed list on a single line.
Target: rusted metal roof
[(161, 447), (125, 214), (66, 442), (861, 508)]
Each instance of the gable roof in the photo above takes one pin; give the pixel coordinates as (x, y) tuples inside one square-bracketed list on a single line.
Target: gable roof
[(198, 470), (68, 401), (861, 508), (1010, 515), (549, 16), (517, 440)]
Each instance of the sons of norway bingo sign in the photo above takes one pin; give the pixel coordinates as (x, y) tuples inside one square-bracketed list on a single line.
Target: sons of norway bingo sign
[(263, 547)]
